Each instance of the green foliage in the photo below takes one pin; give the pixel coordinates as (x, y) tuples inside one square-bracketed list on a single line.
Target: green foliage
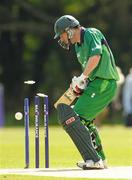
[(28, 50), (77, 6), (31, 44)]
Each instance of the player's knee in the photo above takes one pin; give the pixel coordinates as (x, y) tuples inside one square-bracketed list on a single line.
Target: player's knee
[(67, 117), (77, 131)]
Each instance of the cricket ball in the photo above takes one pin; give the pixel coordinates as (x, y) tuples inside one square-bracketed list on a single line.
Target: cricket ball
[(18, 116)]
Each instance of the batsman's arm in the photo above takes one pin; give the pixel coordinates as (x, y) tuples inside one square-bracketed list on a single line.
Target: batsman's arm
[(91, 65), (69, 96)]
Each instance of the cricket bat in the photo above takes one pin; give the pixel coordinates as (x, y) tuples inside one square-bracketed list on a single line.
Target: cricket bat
[(67, 98)]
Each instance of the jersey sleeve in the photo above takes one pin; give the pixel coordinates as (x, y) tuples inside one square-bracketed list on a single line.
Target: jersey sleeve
[(93, 43)]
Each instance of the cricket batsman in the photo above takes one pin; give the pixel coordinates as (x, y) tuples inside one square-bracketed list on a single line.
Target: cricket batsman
[(95, 87)]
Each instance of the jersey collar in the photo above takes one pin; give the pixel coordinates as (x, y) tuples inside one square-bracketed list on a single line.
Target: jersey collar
[(82, 36)]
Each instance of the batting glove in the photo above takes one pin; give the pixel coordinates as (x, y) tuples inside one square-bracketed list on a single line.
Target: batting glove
[(79, 83)]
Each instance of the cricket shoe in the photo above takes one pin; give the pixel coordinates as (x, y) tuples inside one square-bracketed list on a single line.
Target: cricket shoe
[(105, 164), (90, 164)]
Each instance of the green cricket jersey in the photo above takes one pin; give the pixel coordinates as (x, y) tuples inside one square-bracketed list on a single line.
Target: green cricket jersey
[(102, 86), (93, 43)]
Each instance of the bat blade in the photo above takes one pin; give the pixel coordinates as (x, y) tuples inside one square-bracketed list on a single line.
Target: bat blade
[(67, 98)]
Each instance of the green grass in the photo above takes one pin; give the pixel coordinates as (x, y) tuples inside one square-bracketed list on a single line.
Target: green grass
[(117, 141), (15, 177)]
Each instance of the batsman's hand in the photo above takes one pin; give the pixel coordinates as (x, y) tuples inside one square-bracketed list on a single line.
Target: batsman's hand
[(79, 84)]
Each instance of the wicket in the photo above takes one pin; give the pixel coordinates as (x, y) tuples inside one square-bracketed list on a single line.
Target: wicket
[(46, 132), (26, 123), (37, 124), (37, 131)]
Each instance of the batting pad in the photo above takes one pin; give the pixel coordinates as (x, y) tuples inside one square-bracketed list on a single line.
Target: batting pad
[(79, 134)]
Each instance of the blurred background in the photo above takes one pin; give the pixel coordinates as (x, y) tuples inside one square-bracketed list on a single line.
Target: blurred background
[(28, 51)]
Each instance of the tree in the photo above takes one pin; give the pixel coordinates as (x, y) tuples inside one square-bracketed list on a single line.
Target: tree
[(28, 50)]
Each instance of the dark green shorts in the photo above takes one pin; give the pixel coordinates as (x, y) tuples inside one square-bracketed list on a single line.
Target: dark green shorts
[(96, 97)]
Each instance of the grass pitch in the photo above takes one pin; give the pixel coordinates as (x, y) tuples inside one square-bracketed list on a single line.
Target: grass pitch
[(117, 141)]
